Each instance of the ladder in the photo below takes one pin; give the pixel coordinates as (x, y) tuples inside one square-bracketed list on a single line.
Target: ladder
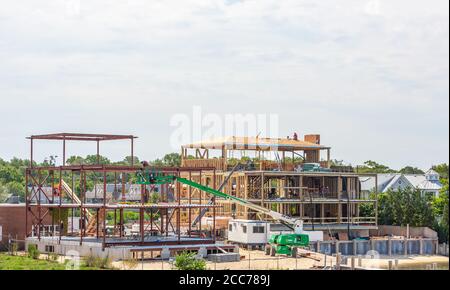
[(91, 227), (74, 197)]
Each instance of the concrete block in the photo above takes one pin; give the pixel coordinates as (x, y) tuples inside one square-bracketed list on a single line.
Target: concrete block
[(224, 258), (202, 252), (165, 253)]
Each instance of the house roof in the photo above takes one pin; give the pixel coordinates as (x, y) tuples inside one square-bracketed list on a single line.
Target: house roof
[(12, 199), (430, 185), (132, 192), (386, 181), (431, 172), (393, 181), (255, 143)]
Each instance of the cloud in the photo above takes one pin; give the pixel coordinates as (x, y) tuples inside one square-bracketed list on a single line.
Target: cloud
[(364, 69)]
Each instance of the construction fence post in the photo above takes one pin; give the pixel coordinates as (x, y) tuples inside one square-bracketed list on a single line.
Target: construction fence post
[(389, 246), (338, 261), (405, 250)]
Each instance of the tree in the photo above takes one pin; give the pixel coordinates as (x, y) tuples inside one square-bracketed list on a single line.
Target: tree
[(169, 160), (93, 160), (367, 209), (411, 170), (187, 261), (128, 159), (440, 201), (76, 160), (444, 223), (3, 193), (442, 170), (440, 209), (405, 206), (172, 159), (336, 162), (374, 167)]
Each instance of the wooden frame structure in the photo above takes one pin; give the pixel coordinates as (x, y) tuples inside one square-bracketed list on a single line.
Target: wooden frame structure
[(330, 198), (293, 152)]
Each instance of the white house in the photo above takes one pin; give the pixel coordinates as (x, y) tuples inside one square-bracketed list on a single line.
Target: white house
[(114, 192), (252, 232), (258, 233), (428, 183)]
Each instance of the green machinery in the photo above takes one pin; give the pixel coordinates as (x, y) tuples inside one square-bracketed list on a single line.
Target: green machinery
[(278, 244), (285, 244)]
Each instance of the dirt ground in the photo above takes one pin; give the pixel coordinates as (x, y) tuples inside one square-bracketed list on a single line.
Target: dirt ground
[(412, 262), (250, 260), (257, 260)]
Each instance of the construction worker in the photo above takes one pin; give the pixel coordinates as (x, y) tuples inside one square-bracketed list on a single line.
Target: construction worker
[(295, 136)]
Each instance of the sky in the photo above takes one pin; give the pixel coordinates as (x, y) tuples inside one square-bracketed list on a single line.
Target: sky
[(372, 77)]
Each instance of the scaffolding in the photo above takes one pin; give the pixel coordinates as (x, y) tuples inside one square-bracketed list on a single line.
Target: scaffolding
[(61, 193)]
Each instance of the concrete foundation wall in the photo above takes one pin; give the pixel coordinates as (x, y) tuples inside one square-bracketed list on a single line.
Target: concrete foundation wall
[(398, 247), (388, 247), (424, 232), (69, 248)]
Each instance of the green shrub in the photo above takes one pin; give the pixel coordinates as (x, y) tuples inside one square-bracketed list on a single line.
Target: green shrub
[(53, 256), (98, 262), (14, 247), (33, 252), (90, 261), (188, 261), (104, 263), (130, 264)]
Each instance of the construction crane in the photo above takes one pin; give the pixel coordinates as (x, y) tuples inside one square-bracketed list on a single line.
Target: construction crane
[(154, 178), (283, 244), (211, 200)]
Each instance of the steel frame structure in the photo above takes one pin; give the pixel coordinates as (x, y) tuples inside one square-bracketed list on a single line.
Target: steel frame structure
[(41, 203)]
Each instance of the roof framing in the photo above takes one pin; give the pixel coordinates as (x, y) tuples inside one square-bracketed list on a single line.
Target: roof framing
[(81, 137)]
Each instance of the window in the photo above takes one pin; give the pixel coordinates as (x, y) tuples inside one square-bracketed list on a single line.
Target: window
[(258, 229), (429, 194), (49, 249), (244, 229), (230, 227)]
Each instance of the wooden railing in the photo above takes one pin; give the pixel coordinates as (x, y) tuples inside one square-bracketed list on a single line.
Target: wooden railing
[(341, 220), (273, 165), (218, 163), (221, 164)]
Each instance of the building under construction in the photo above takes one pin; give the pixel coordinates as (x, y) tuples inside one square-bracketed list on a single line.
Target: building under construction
[(91, 211), (294, 177), (58, 194)]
